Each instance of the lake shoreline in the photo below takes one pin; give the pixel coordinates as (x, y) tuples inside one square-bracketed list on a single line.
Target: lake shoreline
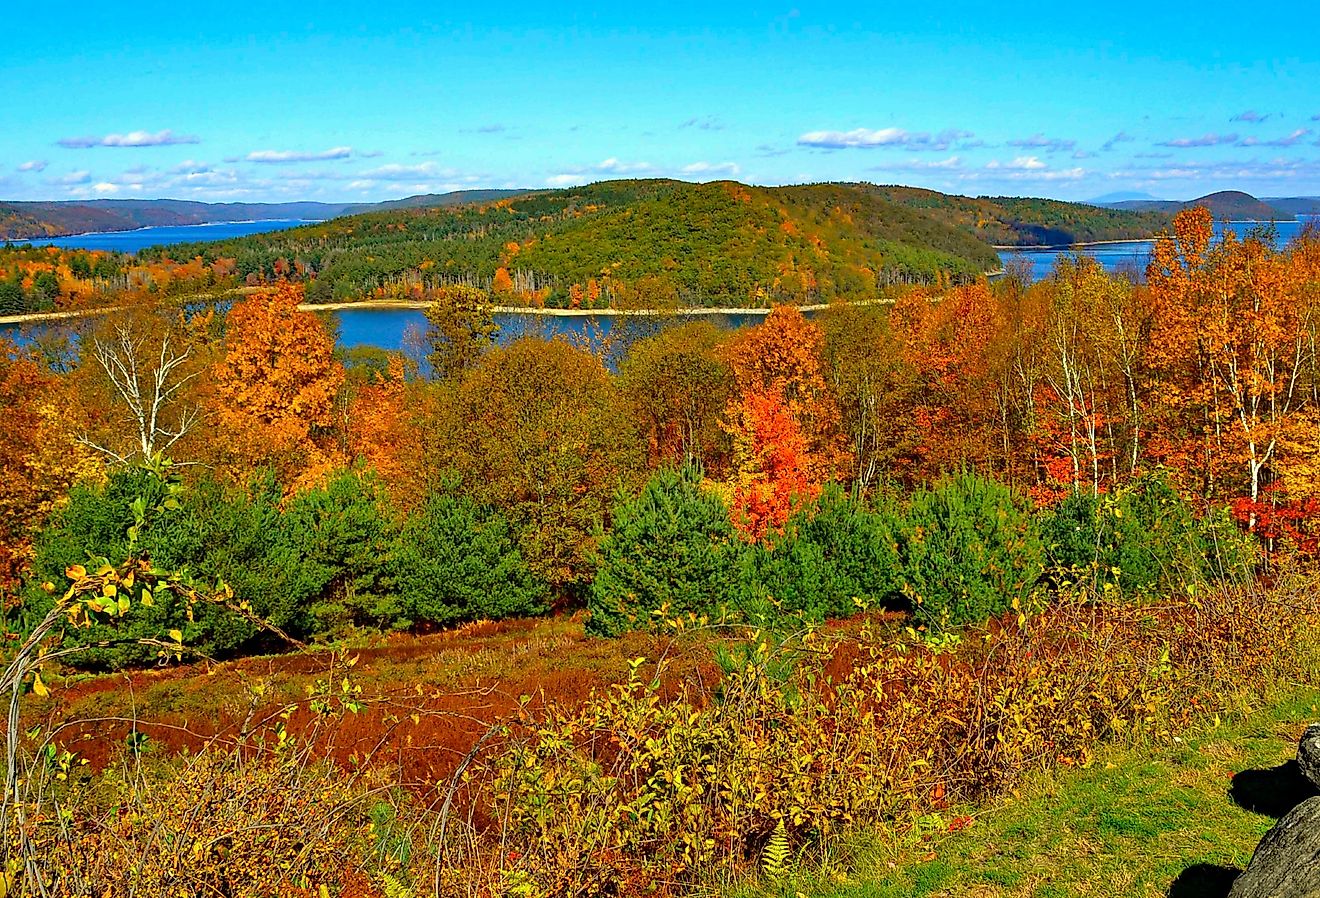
[(419, 305), (1063, 246)]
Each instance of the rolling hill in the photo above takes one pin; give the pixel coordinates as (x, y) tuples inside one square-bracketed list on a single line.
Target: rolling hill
[(699, 244), (23, 220), (1294, 205), (1226, 204), (1018, 221)]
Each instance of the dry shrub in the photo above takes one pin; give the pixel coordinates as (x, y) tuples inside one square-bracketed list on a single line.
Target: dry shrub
[(640, 788), (629, 793), (232, 823)]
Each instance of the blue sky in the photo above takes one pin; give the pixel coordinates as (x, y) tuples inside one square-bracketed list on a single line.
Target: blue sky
[(367, 101)]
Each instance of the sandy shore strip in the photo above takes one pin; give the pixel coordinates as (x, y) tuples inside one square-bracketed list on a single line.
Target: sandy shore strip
[(416, 305)]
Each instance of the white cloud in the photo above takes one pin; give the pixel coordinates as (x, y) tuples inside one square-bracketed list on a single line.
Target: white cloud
[(131, 139), (283, 157), (951, 164), (1288, 141), (865, 138), (34, 165), (728, 169), (1021, 163)]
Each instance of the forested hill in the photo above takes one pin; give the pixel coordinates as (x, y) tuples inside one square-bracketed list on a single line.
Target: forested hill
[(26, 219), (648, 242), (1028, 221)]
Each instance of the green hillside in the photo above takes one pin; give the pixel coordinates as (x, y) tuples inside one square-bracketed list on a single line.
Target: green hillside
[(697, 244), (1027, 221)]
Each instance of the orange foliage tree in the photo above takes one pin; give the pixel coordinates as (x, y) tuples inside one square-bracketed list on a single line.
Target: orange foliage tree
[(771, 462), (274, 390), (952, 342), (785, 355), (39, 456), (1233, 346), (380, 430)]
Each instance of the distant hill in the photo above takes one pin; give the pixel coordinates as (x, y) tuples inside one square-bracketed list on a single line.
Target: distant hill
[(1018, 221), (21, 219), (1294, 205), (54, 219), (1230, 204), (700, 244), (435, 200), (1121, 196)]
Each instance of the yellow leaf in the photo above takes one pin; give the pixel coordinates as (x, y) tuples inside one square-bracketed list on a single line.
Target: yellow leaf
[(75, 572), (176, 635), (39, 687)]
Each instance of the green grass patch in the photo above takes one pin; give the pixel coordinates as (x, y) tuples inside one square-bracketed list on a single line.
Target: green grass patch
[(1146, 819)]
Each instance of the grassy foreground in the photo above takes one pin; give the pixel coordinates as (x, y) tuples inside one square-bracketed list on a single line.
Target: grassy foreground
[(1177, 819)]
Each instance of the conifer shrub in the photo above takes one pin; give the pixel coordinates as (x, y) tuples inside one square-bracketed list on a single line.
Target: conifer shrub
[(1143, 540), (95, 524), (343, 533), (835, 557), (670, 548), (456, 561), (969, 551)]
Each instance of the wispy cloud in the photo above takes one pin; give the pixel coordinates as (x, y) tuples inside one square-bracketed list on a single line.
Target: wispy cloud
[(713, 169), (867, 139), (284, 157), (1226, 172), (1120, 137), (1021, 163), (34, 165), (74, 177), (493, 128), (1288, 141), (1251, 116), (953, 163), (131, 139), (1205, 140), (1041, 142), (703, 123), (395, 172), (568, 177)]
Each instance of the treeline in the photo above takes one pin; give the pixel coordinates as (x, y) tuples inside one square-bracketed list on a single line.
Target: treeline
[(1139, 419), (665, 242), (47, 278), (1030, 221)]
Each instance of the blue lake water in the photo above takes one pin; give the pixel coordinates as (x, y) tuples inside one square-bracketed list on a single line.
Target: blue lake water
[(389, 328), (1131, 255), (132, 241)]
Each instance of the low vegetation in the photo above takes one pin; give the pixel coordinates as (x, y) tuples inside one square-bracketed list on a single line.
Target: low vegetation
[(816, 579)]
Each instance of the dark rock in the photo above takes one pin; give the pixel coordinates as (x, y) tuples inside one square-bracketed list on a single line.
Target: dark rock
[(1308, 754), (1287, 861)]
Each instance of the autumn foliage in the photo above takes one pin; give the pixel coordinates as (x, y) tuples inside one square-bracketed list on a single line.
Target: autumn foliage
[(275, 388)]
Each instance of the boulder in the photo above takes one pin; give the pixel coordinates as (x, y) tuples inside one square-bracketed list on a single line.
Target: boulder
[(1308, 754), (1287, 861)]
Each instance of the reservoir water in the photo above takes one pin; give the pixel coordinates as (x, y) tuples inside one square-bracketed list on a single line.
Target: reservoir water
[(132, 241), (1131, 256)]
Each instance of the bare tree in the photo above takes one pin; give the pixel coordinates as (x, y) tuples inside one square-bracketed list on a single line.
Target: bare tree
[(147, 382)]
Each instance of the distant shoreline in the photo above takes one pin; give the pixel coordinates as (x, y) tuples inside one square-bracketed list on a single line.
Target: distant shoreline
[(196, 224), (419, 305), (1059, 246)]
